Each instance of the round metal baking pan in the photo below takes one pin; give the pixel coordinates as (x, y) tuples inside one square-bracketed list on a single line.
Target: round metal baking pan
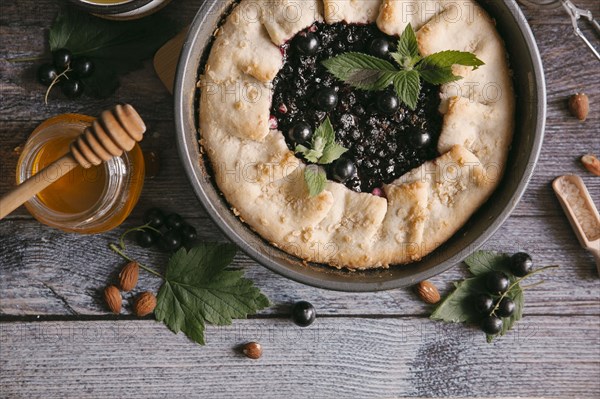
[(529, 130)]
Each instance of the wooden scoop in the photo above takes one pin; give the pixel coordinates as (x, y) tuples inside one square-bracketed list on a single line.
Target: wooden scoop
[(115, 131), (581, 211)]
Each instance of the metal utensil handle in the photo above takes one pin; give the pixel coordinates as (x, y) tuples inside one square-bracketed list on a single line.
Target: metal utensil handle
[(576, 14)]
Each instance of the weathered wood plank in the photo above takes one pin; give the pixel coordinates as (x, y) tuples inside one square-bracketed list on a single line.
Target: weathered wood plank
[(336, 357), (46, 272)]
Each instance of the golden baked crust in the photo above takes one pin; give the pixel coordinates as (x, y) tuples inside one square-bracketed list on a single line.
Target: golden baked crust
[(263, 180)]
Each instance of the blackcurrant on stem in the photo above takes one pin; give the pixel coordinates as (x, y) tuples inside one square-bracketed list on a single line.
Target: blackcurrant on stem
[(131, 230), (118, 251), (55, 81), (493, 312)]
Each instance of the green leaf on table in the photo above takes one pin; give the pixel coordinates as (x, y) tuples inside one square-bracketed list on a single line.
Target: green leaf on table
[(457, 306), (361, 70), (481, 262), (198, 288), (116, 47)]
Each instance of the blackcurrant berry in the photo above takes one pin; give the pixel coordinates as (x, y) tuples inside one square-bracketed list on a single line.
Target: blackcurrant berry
[(154, 217), (144, 238), (483, 303), (170, 241), (388, 103), (61, 58), (188, 233), (379, 47), (419, 139), (520, 264), (506, 307), (307, 43), (174, 221), (300, 133), (491, 325), (46, 74), (326, 99), (83, 67), (497, 282), (343, 169), (303, 313), (72, 88)]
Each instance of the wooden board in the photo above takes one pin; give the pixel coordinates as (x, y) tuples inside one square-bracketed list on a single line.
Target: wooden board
[(57, 339), (334, 358)]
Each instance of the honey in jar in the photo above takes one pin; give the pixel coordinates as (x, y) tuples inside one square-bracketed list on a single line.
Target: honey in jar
[(90, 200)]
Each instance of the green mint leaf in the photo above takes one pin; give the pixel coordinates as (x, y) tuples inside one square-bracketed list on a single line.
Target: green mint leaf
[(406, 62), (482, 262), (331, 153), (407, 44), (114, 46), (198, 289), (437, 68), (457, 306), (408, 87), (325, 133), (361, 70), (315, 179), (439, 75), (309, 154), (301, 149)]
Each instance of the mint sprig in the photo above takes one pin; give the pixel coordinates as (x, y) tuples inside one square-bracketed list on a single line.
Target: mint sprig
[(366, 72), (457, 307), (323, 150)]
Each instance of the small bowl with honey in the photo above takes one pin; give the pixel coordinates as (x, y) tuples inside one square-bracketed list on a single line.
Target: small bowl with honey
[(121, 9), (84, 201)]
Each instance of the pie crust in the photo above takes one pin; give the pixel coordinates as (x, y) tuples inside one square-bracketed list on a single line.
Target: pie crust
[(263, 180)]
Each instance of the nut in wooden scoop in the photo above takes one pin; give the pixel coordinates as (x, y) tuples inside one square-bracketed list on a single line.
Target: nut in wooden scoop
[(115, 131)]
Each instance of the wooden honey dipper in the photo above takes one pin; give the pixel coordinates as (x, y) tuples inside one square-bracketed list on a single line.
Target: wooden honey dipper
[(115, 131)]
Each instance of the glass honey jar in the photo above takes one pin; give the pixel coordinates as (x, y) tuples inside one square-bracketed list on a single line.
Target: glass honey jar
[(83, 201)]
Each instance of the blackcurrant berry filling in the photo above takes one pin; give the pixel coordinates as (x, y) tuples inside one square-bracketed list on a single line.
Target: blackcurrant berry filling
[(384, 137)]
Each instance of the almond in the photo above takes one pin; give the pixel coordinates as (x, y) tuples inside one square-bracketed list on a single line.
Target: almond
[(579, 105), (128, 277), (113, 299), (144, 304), (591, 163), (427, 292), (253, 350)]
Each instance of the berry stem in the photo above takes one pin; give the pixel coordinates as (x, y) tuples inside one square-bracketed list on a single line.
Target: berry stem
[(139, 228), (55, 81), (493, 312), (120, 252), (26, 59)]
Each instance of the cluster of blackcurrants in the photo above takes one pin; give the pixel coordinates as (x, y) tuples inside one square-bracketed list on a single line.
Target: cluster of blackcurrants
[(497, 284), (67, 71), (167, 231), (327, 98)]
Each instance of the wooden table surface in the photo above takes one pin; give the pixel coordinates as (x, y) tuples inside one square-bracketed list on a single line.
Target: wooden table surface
[(58, 340)]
